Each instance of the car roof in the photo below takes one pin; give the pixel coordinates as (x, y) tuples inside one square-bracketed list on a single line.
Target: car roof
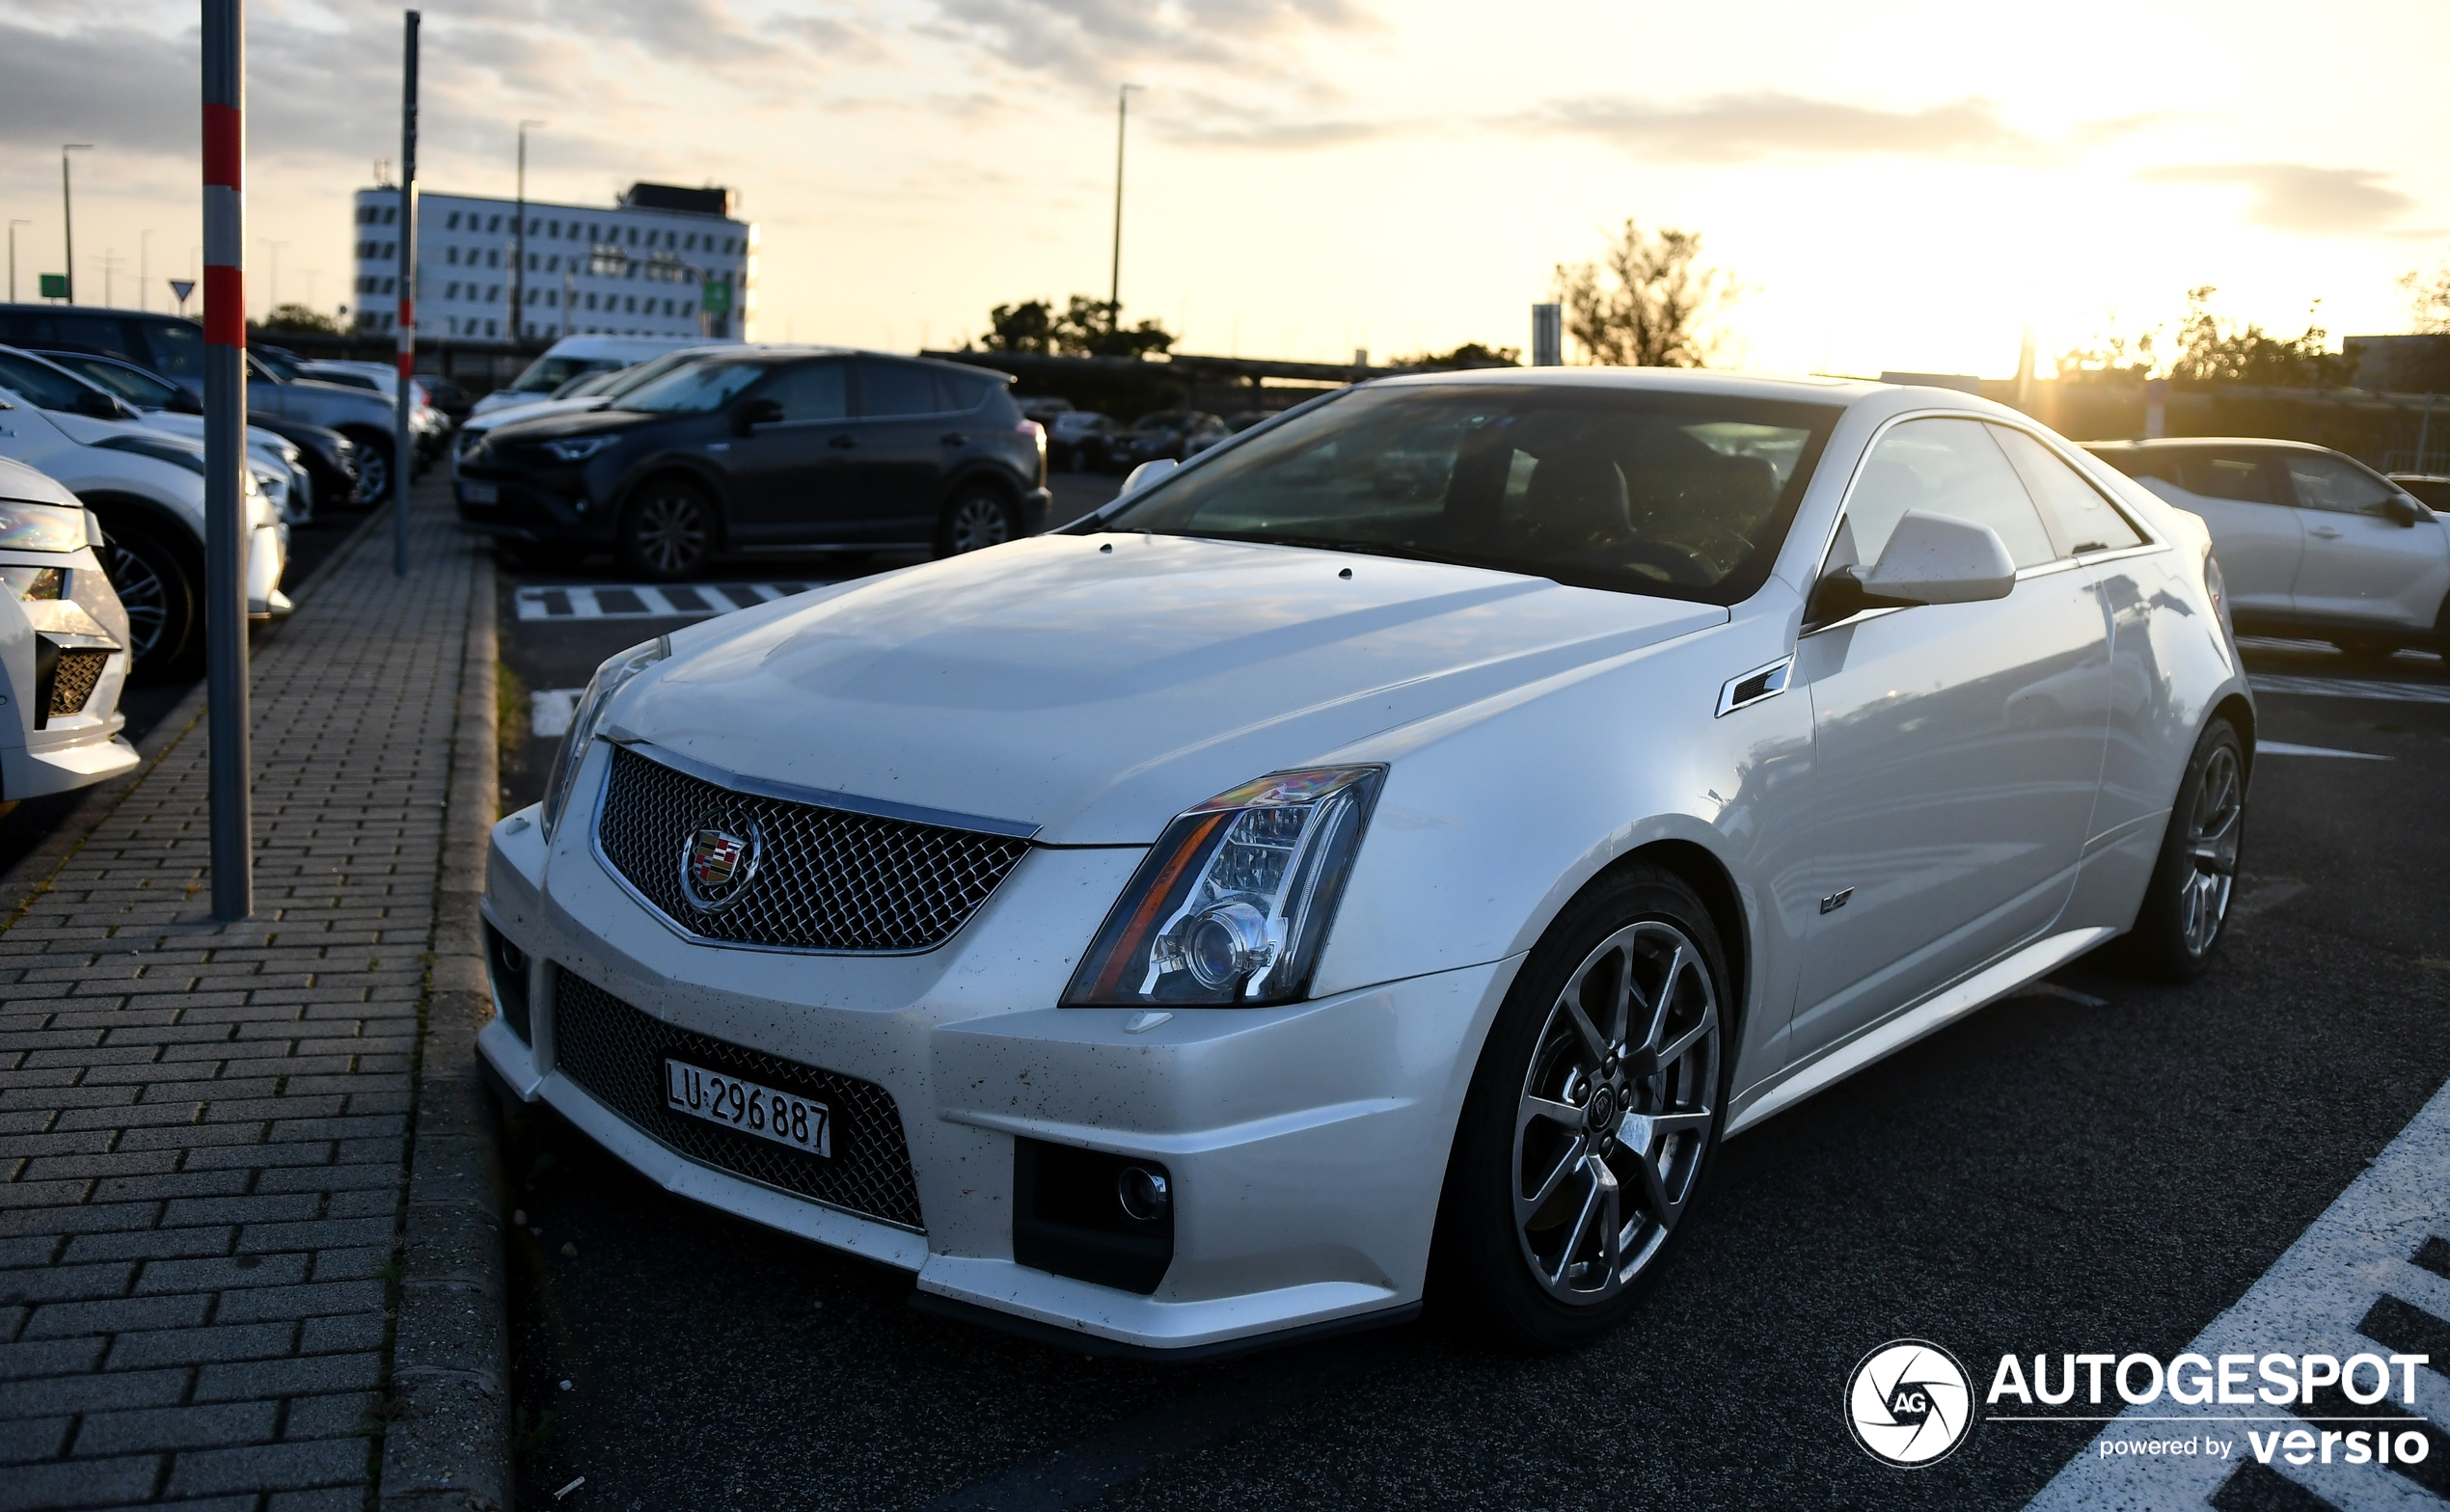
[(1680, 380), (2195, 442)]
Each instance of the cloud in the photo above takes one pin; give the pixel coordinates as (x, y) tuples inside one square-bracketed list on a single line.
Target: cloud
[(112, 88), (1091, 45), (1736, 128), (2296, 197)]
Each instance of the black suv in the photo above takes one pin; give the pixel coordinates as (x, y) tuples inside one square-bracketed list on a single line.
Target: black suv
[(767, 451)]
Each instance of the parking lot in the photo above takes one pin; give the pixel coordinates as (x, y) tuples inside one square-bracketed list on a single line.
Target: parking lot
[(2097, 1162)]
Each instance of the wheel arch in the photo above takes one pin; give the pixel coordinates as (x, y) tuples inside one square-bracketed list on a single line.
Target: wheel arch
[(2239, 710), (982, 471), (696, 474), (174, 529)]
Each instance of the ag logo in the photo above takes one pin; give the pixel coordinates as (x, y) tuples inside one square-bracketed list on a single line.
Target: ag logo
[(1908, 1403)]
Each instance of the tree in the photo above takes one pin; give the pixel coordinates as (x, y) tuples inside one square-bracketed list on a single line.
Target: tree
[(1085, 327), (2429, 300), (1647, 302), (2212, 350), (1471, 354), (2110, 356), (298, 318)]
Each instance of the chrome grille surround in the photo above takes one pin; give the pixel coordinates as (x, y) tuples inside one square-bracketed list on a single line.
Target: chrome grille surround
[(837, 874), (615, 1052)]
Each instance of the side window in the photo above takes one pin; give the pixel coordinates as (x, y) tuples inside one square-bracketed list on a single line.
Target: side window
[(2079, 519), (2333, 485), (959, 392), (818, 391), (2239, 478), (887, 388), (1947, 467), (47, 387)]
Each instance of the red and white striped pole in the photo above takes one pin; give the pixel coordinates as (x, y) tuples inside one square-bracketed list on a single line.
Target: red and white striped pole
[(225, 454), (403, 442)]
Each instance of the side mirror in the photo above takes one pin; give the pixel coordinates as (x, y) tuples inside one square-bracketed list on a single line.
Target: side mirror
[(753, 414), (2399, 509), (1148, 472), (182, 402), (1930, 558), (100, 406)]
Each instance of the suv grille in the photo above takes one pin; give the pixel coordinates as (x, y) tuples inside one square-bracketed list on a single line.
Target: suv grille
[(827, 879), (73, 676), (616, 1053)]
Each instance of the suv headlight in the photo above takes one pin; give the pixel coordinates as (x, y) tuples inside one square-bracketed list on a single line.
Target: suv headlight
[(608, 679), (577, 449), (1233, 904)]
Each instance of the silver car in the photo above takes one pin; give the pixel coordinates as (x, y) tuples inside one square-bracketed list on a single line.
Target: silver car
[(2312, 543)]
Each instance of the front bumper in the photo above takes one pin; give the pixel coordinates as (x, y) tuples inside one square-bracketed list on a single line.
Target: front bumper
[(1306, 1145), (523, 509)]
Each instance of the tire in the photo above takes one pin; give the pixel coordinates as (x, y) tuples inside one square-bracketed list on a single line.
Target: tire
[(2185, 907), (158, 588), (667, 529), (374, 471), (976, 516), (1550, 1108)]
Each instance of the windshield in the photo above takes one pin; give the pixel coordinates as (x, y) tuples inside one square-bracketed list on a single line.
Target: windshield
[(140, 389), (694, 389), (547, 373), (1679, 495)]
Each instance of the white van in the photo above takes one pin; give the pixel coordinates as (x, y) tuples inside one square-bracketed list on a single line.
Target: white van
[(576, 356)]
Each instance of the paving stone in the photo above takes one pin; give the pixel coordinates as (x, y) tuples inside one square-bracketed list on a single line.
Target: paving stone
[(218, 1425), (77, 1483)]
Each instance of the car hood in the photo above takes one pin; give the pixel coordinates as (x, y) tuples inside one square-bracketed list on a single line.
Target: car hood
[(1096, 686), (519, 415), (523, 425)]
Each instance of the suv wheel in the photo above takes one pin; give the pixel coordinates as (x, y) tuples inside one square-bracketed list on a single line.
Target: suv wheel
[(669, 529), (157, 591), (978, 516)]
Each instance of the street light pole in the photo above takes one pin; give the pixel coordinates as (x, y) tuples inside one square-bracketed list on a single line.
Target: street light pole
[(12, 258), (519, 247), (232, 823), (67, 214), (272, 290), (403, 447), (1114, 269)]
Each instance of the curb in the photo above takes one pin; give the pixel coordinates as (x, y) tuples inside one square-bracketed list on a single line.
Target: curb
[(449, 1445)]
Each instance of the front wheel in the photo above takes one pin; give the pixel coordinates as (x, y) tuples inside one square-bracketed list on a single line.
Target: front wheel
[(667, 532), (373, 472), (976, 516), (1591, 1121), (159, 594), (2186, 907)]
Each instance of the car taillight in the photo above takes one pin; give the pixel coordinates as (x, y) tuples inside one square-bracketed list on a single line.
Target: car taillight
[(1035, 431)]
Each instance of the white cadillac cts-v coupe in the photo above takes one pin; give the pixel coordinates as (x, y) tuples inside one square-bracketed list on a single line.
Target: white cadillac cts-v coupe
[(1382, 858)]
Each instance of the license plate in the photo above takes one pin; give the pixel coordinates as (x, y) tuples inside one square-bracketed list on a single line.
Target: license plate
[(479, 493), (742, 1105)]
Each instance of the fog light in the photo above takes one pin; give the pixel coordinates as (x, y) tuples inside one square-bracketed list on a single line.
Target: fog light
[(1226, 944), (1143, 1194)]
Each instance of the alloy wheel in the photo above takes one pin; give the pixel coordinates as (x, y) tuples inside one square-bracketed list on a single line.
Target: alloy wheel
[(1617, 1111), (143, 594), (374, 475), (977, 520), (2213, 823), (671, 533)]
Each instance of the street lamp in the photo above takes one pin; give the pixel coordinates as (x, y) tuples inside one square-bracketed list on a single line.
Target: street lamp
[(12, 258), (519, 247), (272, 290), (1114, 270), (67, 214)]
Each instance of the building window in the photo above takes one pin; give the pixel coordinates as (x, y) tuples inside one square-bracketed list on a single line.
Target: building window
[(552, 264), (556, 230), (590, 301), (450, 254), (493, 291), (391, 213), (492, 224), (633, 303), (633, 235), (553, 297), (493, 327), (452, 292), (388, 284), (451, 223), (493, 256)]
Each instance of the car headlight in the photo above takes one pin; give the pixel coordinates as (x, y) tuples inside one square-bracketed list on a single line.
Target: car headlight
[(578, 450), (1233, 904), (42, 527), (608, 679)]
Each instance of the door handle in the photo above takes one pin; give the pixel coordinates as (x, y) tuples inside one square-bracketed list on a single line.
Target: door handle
[(954, 437), (846, 443)]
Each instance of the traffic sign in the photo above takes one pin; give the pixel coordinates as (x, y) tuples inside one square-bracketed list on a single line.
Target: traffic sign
[(55, 285), (182, 287), (716, 297)]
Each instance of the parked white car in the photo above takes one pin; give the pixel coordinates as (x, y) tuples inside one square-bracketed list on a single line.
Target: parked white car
[(2313, 543), (62, 643), (610, 385), (147, 489), (1175, 930), (90, 411), (575, 357)]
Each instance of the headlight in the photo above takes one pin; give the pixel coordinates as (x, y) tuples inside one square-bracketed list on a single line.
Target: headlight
[(1233, 904), (608, 679), (576, 450), (42, 528)]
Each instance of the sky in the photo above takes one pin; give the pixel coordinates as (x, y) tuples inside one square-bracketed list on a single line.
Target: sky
[(1891, 184)]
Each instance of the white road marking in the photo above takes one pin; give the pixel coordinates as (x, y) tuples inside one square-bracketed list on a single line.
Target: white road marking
[(2285, 749), (550, 711), (638, 601), (2352, 688), (2353, 1266)]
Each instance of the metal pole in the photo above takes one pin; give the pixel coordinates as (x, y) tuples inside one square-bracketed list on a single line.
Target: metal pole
[(12, 258), (403, 450), (1114, 269), (519, 247), (225, 454), (68, 215)]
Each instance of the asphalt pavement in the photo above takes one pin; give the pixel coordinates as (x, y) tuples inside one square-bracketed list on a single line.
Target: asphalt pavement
[(2101, 1163)]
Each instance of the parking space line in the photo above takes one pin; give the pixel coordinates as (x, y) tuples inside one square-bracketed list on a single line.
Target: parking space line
[(2365, 1268), (550, 711), (2352, 688), (636, 601)]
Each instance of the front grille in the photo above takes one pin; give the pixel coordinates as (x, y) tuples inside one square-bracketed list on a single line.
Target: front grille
[(616, 1053), (73, 683), (829, 878)]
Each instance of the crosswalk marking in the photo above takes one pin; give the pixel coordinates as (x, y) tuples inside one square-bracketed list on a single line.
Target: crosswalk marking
[(550, 711), (636, 601), (2352, 688), (2371, 1275)]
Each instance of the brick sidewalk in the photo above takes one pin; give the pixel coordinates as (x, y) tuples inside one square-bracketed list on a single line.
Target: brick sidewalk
[(204, 1129)]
